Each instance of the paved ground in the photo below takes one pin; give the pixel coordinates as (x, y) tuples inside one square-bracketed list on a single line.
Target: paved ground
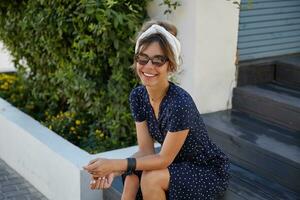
[(15, 187)]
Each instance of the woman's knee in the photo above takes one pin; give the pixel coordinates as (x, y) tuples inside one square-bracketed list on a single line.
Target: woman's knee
[(155, 178)]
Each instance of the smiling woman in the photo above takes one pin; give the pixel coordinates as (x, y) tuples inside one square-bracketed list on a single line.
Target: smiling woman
[(189, 165)]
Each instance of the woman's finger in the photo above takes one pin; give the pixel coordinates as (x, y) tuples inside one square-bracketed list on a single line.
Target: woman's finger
[(110, 179), (98, 183), (106, 185), (97, 173), (92, 161), (92, 184), (90, 167), (86, 167), (103, 182), (92, 164)]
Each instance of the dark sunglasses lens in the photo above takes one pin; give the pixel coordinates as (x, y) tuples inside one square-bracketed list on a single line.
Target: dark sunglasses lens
[(156, 60), (159, 60), (142, 60)]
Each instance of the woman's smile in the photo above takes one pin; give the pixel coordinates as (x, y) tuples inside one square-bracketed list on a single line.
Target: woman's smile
[(149, 74), (148, 78)]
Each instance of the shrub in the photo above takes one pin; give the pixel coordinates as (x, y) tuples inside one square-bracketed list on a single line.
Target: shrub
[(76, 79)]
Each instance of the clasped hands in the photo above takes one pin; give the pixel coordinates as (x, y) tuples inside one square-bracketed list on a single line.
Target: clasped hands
[(101, 171)]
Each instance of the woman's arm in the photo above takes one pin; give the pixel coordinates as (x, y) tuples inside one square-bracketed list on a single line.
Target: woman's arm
[(170, 148), (144, 140), (146, 159), (145, 143)]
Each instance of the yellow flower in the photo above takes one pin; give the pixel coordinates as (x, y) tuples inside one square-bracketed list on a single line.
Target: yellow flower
[(72, 128), (4, 86), (98, 131), (77, 122), (29, 106), (67, 114)]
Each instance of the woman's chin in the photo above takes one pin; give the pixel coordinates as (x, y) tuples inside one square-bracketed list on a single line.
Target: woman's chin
[(149, 81)]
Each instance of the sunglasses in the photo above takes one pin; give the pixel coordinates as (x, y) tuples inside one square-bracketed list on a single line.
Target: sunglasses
[(157, 60)]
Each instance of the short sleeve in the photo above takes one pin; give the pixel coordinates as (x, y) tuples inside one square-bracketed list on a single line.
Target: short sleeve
[(181, 115), (136, 105)]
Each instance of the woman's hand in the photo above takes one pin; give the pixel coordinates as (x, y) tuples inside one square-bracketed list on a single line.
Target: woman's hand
[(99, 167), (102, 182)]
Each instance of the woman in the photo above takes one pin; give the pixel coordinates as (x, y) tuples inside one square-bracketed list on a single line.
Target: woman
[(189, 165)]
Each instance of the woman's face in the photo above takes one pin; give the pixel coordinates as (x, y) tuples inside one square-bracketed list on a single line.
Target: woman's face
[(151, 74)]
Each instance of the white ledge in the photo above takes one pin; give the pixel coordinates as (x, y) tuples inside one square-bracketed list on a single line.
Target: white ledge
[(48, 161)]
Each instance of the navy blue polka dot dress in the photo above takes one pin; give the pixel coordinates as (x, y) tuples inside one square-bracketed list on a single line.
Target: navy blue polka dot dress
[(200, 169)]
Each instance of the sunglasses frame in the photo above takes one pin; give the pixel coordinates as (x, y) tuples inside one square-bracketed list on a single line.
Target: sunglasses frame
[(136, 57)]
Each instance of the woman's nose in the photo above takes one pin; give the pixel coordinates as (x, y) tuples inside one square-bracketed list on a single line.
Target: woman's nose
[(149, 64)]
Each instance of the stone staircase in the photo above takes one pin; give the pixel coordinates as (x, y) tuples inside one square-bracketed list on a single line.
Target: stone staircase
[(260, 134)]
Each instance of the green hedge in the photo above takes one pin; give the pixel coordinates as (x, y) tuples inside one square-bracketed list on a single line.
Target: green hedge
[(78, 55)]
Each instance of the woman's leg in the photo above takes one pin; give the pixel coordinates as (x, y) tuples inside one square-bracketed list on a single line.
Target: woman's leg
[(131, 187), (154, 184)]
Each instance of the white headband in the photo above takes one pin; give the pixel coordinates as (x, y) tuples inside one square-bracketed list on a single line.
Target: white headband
[(173, 41)]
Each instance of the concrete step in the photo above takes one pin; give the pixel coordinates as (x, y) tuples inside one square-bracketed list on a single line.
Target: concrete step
[(268, 150), (272, 101), (243, 185), (285, 69), (288, 71), (252, 73), (246, 185)]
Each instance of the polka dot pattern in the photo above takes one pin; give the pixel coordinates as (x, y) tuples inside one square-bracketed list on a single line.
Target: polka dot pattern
[(200, 169)]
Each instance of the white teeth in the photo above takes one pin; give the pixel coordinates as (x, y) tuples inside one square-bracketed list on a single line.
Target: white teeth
[(150, 75)]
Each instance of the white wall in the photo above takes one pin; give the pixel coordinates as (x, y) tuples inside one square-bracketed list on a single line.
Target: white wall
[(208, 33), (6, 64)]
